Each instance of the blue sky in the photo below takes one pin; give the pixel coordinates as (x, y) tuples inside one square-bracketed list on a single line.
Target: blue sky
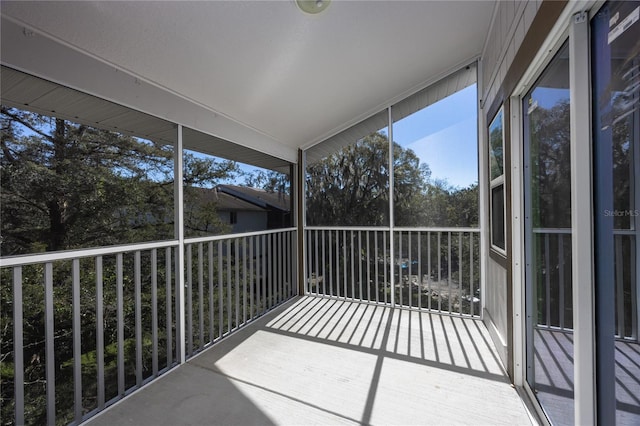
[(445, 137)]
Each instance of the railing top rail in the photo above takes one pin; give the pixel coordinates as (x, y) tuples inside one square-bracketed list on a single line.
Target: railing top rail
[(30, 259), (436, 229), (568, 231), (624, 232), (346, 228), (551, 231), (239, 235), (386, 228)]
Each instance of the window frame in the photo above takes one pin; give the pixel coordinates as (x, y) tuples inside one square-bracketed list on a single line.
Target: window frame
[(496, 182)]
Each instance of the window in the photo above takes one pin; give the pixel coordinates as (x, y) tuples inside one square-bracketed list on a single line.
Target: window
[(496, 173), (233, 218), (434, 185)]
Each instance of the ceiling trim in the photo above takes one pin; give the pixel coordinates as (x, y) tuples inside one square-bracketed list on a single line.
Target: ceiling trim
[(33, 52)]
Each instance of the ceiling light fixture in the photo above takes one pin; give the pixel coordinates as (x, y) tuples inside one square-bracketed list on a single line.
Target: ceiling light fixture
[(313, 6)]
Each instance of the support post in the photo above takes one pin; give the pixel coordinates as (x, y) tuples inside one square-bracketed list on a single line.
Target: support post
[(392, 266), (299, 188), (178, 171), (582, 222)]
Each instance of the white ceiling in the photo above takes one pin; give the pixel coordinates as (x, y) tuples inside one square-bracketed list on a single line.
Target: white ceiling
[(289, 77)]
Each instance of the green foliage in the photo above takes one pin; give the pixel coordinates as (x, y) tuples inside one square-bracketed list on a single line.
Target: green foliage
[(351, 187), (70, 186), (269, 180)]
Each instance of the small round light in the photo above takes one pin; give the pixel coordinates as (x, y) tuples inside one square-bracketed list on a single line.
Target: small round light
[(313, 6)]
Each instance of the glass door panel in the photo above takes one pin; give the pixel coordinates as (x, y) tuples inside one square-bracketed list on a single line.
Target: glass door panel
[(549, 311), (616, 118)]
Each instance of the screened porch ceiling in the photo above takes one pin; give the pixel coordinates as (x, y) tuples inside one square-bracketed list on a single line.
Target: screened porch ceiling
[(246, 77)]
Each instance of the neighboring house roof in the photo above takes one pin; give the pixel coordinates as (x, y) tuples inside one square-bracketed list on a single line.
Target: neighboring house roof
[(258, 197), (226, 202)]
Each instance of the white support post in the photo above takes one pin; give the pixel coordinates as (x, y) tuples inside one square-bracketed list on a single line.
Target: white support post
[(517, 242), (483, 185), (392, 266), (582, 223), (178, 197), (301, 220)]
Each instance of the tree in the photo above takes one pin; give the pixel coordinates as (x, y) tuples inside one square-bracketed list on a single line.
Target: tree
[(68, 186), (269, 180), (550, 166), (351, 187)]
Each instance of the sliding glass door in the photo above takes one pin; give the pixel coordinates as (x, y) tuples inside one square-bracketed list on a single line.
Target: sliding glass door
[(616, 118), (547, 166)]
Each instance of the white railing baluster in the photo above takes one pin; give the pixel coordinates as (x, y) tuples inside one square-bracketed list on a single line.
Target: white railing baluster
[(332, 245), (353, 273), (324, 262), (251, 277), (376, 268), (449, 269), (384, 265), (168, 307), (265, 284), (212, 329), (77, 333), (138, 315), (50, 344), (344, 262), (313, 268), (359, 265), (400, 284), (229, 292), (290, 263), (189, 310), (244, 280), (236, 256), (460, 269), (154, 312), (337, 260), (471, 262), (120, 322), (429, 270), (279, 260), (271, 254), (419, 270), (100, 332), (368, 267), (18, 342), (200, 295), (547, 268), (561, 298), (409, 269), (220, 291), (439, 272), (280, 280), (619, 286)]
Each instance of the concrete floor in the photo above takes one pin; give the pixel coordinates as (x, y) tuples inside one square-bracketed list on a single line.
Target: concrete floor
[(324, 361)]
